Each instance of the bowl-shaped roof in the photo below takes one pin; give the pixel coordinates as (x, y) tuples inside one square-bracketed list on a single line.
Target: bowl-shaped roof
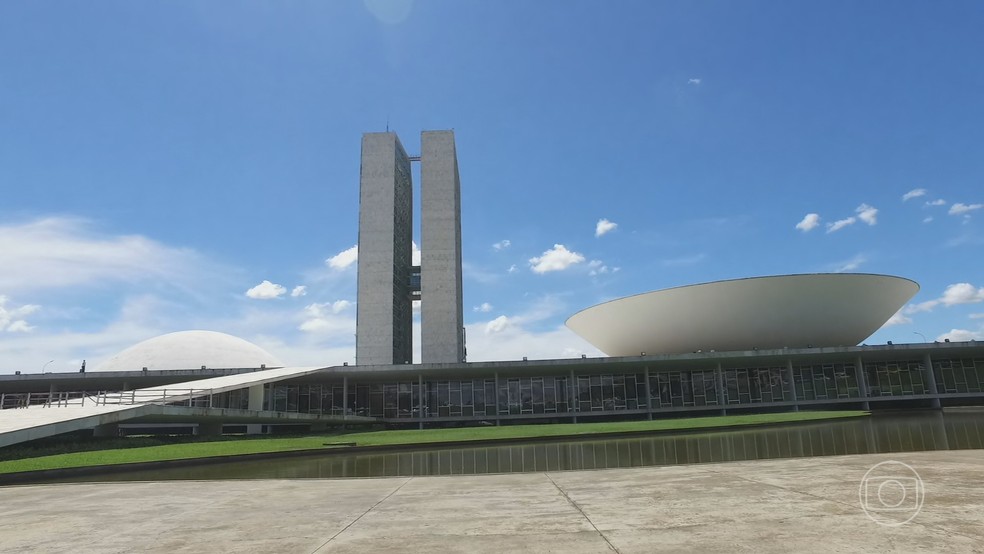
[(191, 350), (795, 311)]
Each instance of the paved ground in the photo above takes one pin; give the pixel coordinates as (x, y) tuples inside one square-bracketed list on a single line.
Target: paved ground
[(809, 504)]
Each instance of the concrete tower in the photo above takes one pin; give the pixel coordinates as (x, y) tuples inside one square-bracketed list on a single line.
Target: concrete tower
[(384, 320), (441, 319)]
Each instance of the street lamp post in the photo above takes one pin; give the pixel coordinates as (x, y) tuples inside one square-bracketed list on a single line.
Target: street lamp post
[(921, 335), (45, 366)]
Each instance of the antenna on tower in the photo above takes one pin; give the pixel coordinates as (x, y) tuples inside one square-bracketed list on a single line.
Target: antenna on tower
[(387, 123)]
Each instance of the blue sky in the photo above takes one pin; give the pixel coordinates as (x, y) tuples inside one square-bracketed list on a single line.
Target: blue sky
[(159, 160)]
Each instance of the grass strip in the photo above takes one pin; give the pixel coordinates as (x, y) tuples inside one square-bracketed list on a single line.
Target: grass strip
[(227, 447), (424, 436)]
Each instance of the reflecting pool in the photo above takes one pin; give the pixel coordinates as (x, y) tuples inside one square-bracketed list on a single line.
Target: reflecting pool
[(934, 430)]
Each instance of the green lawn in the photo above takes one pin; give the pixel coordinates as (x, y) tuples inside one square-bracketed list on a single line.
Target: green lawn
[(230, 446)]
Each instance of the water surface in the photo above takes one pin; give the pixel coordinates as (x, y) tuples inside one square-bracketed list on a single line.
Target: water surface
[(929, 430)]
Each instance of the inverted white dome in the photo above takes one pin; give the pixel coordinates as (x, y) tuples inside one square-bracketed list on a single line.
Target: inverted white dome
[(827, 309), (191, 350)]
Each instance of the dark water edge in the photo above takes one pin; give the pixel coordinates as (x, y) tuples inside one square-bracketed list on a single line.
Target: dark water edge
[(897, 432)]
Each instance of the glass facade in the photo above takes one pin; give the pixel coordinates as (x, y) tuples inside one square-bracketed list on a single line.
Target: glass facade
[(757, 385), (827, 381), (572, 395), (895, 378), (680, 389), (959, 376), (651, 390)]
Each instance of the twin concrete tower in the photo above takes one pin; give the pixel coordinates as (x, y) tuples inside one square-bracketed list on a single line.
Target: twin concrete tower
[(388, 280)]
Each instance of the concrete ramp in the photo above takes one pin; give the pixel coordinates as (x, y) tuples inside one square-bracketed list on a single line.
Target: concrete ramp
[(155, 404)]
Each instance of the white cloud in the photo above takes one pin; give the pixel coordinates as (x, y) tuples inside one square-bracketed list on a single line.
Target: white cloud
[(512, 269), (514, 342), (597, 267), (694, 81), (977, 316), (497, 325), (840, 224), (72, 256), (914, 193), (558, 258), (11, 319), (311, 348), (604, 226), (299, 290), (962, 335), (926, 306), (897, 319), (928, 219), (959, 208), (962, 293), (955, 294), (809, 222), (485, 307), (344, 259), (501, 245), (849, 265), (414, 253), (523, 335), (68, 252), (19, 326), (139, 318), (867, 214), (324, 318), (266, 291), (937, 202)]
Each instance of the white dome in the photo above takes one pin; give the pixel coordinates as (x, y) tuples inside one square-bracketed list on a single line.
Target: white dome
[(191, 350), (797, 311)]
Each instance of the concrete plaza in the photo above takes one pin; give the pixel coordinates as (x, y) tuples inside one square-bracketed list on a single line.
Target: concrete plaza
[(801, 505)]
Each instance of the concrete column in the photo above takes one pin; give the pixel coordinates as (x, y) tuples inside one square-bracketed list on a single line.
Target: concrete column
[(792, 384), (255, 398), (572, 396), (255, 404), (862, 383), (209, 429), (106, 430), (421, 397), (719, 373), (497, 422), (649, 397), (345, 406), (930, 376)]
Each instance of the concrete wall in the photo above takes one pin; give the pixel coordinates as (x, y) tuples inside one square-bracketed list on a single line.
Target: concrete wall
[(442, 334), (384, 315)]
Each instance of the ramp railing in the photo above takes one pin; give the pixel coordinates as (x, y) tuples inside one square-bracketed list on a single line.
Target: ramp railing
[(200, 398)]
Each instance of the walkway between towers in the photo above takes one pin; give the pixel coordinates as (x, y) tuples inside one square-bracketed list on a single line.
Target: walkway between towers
[(179, 402)]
